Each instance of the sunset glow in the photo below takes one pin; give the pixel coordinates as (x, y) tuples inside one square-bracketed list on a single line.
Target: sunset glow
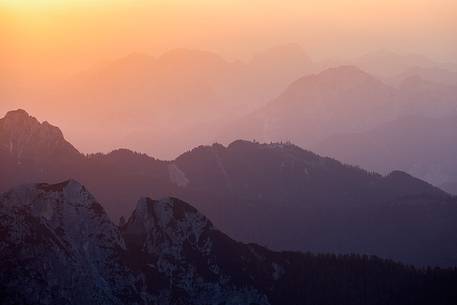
[(75, 34), (268, 152), (47, 42)]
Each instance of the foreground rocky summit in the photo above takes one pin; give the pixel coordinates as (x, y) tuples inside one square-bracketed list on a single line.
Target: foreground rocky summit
[(57, 246)]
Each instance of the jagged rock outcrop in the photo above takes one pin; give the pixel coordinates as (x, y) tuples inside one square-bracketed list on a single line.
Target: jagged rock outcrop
[(25, 137), (182, 245), (57, 246)]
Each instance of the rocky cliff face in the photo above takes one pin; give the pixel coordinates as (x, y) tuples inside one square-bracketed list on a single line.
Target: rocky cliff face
[(57, 246), (31, 151), (180, 244)]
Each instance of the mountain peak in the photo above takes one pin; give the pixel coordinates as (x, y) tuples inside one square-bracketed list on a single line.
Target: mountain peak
[(165, 211), (414, 186), (19, 114), (155, 221), (70, 189), (345, 77), (23, 136), (64, 200), (346, 71), (58, 187), (414, 81), (242, 144), (67, 232)]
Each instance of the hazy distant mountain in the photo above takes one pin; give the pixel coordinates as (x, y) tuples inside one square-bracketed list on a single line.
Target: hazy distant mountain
[(272, 70), (339, 100), (275, 194), (59, 247), (427, 98), (144, 93), (181, 97), (424, 147), (315, 106), (434, 74), (188, 97), (385, 63)]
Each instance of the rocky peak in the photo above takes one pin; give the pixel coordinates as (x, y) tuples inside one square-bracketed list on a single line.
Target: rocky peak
[(17, 115), (181, 244), (67, 205), (71, 240), (68, 192), (24, 136), (156, 222), (182, 259), (341, 77)]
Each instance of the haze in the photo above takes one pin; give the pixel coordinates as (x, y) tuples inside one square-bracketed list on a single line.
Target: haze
[(164, 76), (42, 39)]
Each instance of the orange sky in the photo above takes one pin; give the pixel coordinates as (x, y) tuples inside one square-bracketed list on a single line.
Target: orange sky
[(49, 38)]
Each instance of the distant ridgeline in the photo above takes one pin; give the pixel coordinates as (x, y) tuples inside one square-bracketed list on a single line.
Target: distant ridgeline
[(276, 195), (58, 246)]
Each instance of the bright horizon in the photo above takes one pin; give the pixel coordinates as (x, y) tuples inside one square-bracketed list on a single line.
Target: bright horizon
[(269, 152), (46, 44), (48, 39)]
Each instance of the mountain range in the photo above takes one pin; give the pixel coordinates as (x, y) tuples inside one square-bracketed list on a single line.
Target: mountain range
[(390, 65), (192, 97), (182, 94), (277, 195), (422, 146), (343, 99), (58, 246), (319, 111), (316, 106)]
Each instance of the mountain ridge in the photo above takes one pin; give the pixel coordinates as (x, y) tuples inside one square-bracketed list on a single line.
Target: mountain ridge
[(169, 253), (266, 193)]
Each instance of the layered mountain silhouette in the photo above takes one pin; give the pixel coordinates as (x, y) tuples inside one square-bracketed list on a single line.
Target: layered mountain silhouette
[(59, 247), (278, 195), (193, 97), (427, 98), (182, 94), (431, 74), (422, 146), (388, 64), (190, 87), (313, 107), (343, 99)]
